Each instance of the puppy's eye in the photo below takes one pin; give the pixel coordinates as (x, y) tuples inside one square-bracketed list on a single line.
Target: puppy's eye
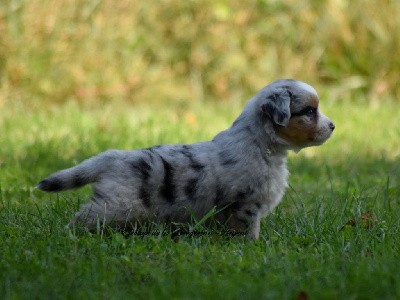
[(310, 111)]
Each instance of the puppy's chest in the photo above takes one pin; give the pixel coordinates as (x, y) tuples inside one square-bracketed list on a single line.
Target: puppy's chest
[(275, 183)]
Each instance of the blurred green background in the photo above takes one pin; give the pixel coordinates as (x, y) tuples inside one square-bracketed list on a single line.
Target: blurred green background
[(163, 50)]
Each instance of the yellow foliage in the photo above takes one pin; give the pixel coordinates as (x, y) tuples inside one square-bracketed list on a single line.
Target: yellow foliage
[(153, 50)]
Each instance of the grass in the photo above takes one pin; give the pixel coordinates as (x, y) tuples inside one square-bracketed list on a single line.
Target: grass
[(336, 235)]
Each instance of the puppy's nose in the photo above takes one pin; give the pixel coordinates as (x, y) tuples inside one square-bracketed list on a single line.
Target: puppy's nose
[(331, 126)]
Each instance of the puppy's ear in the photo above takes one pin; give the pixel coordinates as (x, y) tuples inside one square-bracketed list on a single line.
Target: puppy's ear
[(277, 106)]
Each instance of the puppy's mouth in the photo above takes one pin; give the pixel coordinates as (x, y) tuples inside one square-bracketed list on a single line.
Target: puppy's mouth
[(322, 136), (300, 135)]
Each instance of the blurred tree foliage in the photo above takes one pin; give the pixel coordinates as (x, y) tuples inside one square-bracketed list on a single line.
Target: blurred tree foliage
[(150, 50)]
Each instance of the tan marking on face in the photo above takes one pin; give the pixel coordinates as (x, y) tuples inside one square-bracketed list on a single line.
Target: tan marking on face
[(302, 130), (299, 132), (313, 101)]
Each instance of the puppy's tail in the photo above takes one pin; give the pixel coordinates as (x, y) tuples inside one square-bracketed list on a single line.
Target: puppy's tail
[(88, 171)]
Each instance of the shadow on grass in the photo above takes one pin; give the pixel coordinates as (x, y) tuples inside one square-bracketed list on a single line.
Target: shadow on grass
[(357, 172)]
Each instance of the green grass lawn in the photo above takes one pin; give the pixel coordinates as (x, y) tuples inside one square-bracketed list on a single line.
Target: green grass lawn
[(336, 234)]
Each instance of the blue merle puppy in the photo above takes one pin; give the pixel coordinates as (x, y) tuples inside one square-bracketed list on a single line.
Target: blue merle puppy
[(241, 172)]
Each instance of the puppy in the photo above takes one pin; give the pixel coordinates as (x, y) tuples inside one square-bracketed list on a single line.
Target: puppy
[(241, 173)]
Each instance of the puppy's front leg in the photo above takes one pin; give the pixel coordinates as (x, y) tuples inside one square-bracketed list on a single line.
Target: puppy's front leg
[(250, 217), (254, 228)]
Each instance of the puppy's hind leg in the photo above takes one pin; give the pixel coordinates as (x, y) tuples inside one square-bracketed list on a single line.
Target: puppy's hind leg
[(98, 211), (90, 215), (109, 209)]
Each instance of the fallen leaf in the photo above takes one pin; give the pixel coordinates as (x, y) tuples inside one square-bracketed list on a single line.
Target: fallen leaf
[(367, 220), (302, 295)]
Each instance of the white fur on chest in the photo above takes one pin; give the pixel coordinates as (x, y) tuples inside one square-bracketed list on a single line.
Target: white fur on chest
[(275, 183)]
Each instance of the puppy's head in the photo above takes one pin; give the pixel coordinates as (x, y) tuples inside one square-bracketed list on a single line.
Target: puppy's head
[(292, 106)]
